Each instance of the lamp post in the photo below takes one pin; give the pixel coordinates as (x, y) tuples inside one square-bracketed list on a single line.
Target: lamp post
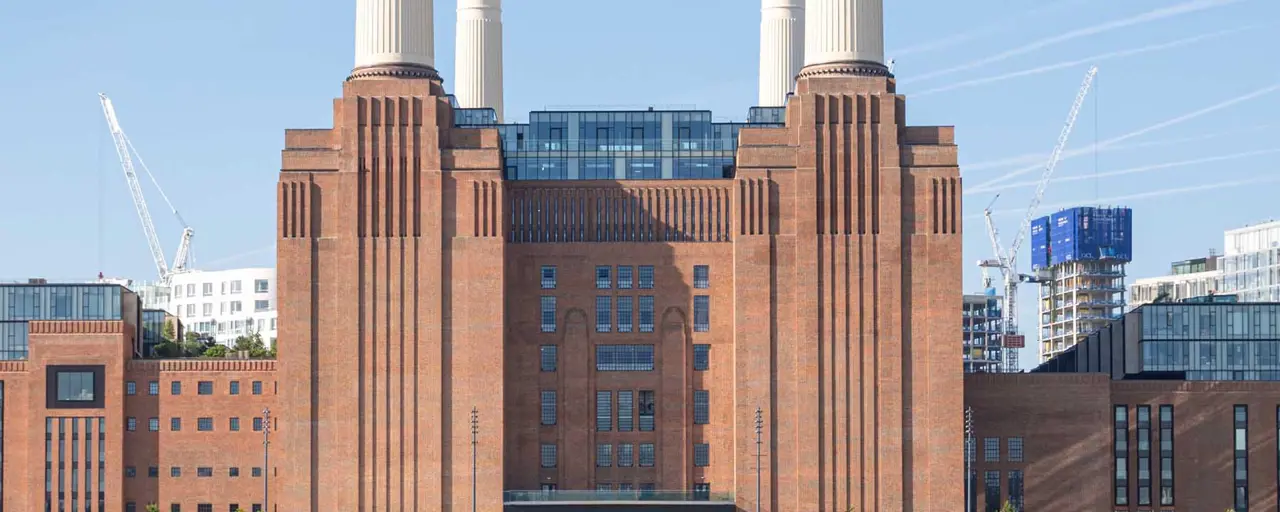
[(266, 459), (475, 431), (968, 459), (759, 441)]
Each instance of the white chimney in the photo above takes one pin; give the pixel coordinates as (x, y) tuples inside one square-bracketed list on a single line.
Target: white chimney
[(394, 33), (781, 49), (844, 31), (478, 60)]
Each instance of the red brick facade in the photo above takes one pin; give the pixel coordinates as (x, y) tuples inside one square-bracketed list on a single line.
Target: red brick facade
[(410, 295)]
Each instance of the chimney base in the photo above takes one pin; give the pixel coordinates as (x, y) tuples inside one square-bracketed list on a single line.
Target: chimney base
[(395, 71)]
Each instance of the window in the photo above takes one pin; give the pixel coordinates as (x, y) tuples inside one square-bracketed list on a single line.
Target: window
[(255, 472), (701, 407), (624, 278), (234, 425), (548, 407), (207, 289), (261, 305), (991, 449), (548, 453), (646, 407), (175, 472), (235, 287), (233, 472), (257, 387), (204, 424), (131, 424), (1241, 444), (234, 507), (204, 387), (604, 455), (604, 411), (626, 421), (701, 276), (646, 277), (204, 472), (153, 388), (235, 306), (1015, 489), (235, 387), (626, 456), (191, 310), (175, 424), (1121, 439), (548, 277), (625, 310), (547, 355), (604, 313), (153, 424), (174, 507), (992, 488), (191, 290), (206, 309), (702, 313), (130, 388), (175, 388), (548, 305), (75, 386), (701, 455), (257, 424), (624, 358), (1166, 454), (646, 455), (603, 279), (701, 357), (130, 507), (261, 286), (1015, 449), (130, 472), (1144, 455), (646, 313)]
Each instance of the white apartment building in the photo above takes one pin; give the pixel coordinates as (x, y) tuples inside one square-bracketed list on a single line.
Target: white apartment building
[(1249, 269), (1188, 278), (226, 304)]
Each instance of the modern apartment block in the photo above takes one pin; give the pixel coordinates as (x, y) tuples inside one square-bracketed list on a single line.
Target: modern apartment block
[(1251, 262), (983, 332), (598, 303), (1080, 255), (1195, 277), (86, 424), (1175, 406), (227, 304)]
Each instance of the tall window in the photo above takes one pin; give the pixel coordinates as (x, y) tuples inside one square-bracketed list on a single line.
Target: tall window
[(548, 277), (701, 276), (547, 356), (625, 310), (625, 455), (626, 421), (1144, 454), (604, 411), (1166, 454), (701, 455), (701, 357), (603, 279), (548, 305), (624, 278), (646, 277), (992, 488), (701, 407), (1015, 449), (604, 313), (548, 407), (991, 449), (646, 408), (646, 313), (548, 455), (1015, 489), (1121, 438), (1241, 444), (647, 455), (702, 313), (604, 455)]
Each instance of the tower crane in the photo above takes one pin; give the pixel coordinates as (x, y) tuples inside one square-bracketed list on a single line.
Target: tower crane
[(126, 152), (1006, 260)]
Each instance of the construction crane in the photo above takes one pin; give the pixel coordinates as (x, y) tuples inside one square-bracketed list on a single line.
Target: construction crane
[(126, 152), (1006, 260)]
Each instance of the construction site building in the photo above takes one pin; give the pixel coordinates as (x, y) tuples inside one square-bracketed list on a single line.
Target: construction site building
[(983, 332), (1079, 257)]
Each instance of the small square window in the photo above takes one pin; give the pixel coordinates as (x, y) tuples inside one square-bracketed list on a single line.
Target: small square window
[(153, 424), (235, 387), (548, 277), (261, 286), (701, 276), (624, 278), (175, 424), (153, 388), (261, 305), (204, 387), (234, 425), (130, 471), (233, 472), (257, 424), (131, 424), (131, 388), (646, 277), (175, 388), (604, 280), (175, 472), (153, 472), (257, 387), (204, 424), (255, 472)]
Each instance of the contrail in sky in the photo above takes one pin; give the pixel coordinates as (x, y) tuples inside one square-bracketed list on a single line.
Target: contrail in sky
[(1088, 60), (1146, 17), (1029, 158), (234, 257), (1139, 132), (1133, 170), (1142, 195), (957, 39)]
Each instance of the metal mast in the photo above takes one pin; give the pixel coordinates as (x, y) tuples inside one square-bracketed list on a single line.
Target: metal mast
[(1007, 260), (126, 152)]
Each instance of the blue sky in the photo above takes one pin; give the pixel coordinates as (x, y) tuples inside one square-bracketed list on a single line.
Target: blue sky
[(205, 89)]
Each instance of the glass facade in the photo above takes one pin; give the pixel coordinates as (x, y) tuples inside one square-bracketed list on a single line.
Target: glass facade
[(1212, 341), (619, 145), (20, 304)]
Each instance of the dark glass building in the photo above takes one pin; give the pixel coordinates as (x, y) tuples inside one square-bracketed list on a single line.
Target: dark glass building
[(23, 303)]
